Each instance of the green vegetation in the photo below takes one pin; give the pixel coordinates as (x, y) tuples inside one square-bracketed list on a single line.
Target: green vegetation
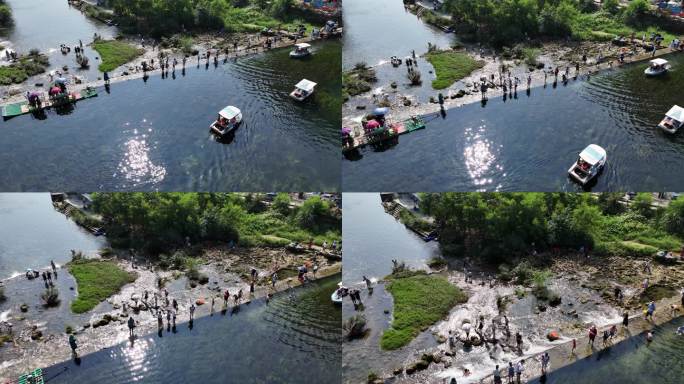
[(419, 301), (114, 53), (451, 66), (162, 222), (30, 65), (166, 17), (357, 80), (497, 226), (97, 280), (50, 297), (412, 221), (508, 21), (5, 15)]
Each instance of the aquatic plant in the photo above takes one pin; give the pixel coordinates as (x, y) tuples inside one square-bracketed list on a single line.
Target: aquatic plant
[(355, 326), (50, 297), (414, 77)]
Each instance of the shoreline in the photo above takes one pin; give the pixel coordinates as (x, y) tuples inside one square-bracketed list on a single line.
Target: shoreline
[(250, 45)]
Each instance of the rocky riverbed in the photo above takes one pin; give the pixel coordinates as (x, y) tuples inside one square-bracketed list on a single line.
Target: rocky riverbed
[(586, 289)]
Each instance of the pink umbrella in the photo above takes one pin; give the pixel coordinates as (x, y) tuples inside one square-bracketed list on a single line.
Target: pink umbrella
[(55, 90), (372, 124)]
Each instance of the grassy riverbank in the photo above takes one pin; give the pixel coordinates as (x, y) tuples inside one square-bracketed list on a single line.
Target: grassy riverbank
[(114, 53), (97, 280), (420, 300), (451, 66), (357, 80)]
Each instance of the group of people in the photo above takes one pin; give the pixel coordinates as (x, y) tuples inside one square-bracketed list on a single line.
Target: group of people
[(46, 275)]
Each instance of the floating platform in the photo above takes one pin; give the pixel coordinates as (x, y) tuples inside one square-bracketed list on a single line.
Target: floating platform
[(22, 108), (388, 132), (36, 377)]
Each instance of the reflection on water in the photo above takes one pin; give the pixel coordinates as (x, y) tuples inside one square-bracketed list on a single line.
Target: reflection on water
[(32, 233), (282, 145), (631, 361), (293, 339), (528, 143), (480, 158)]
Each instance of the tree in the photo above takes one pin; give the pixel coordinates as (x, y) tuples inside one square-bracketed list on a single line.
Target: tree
[(611, 6), (643, 204), (636, 10), (312, 211), (281, 204), (673, 219)]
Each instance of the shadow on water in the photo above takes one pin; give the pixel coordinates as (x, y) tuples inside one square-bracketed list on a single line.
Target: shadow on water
[(530, 142), (630, 361), (294, 338), (153, 134)]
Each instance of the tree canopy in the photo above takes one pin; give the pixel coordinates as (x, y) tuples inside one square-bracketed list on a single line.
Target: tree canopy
[(498, 225)]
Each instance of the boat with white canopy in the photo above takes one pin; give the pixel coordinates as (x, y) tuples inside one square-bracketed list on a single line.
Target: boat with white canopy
[(303, 89), (673, 120), (589, 164), (229, 118)]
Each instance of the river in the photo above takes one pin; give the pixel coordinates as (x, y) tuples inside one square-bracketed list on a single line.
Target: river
[(154, 135), (372, 238), (631, 361), (293, 339), (529, 142), (33, 233)]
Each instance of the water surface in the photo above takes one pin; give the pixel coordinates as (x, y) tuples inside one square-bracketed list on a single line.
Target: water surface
[(154, 135)]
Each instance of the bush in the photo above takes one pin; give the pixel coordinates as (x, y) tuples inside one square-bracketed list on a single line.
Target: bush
[(414, 77), (50, 297), (437, 262)]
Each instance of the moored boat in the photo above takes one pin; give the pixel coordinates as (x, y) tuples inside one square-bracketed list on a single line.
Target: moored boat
[(229, 118), (657, 67), (673, 120), (589, 164), (301, 50), (303, 89)]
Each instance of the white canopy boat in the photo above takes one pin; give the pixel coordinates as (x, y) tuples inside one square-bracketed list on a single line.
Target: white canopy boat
[(301, 50), (229, 118), (303, 89), (590, 162), (674, 119), (657, 67)]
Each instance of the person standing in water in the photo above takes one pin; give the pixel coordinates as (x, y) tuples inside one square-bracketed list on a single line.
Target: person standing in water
[(511, 372), (650, 310), (545, 359), (192, 312), (497, 375), (131, 326), (368, 282), (54, 269), (73, 345), (519, 369)]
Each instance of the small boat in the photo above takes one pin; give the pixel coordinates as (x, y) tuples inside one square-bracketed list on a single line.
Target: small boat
[(301, 50), (303, 89), (657, 67), (674, 119), (590, 162), (395, 61), (229, 118)]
